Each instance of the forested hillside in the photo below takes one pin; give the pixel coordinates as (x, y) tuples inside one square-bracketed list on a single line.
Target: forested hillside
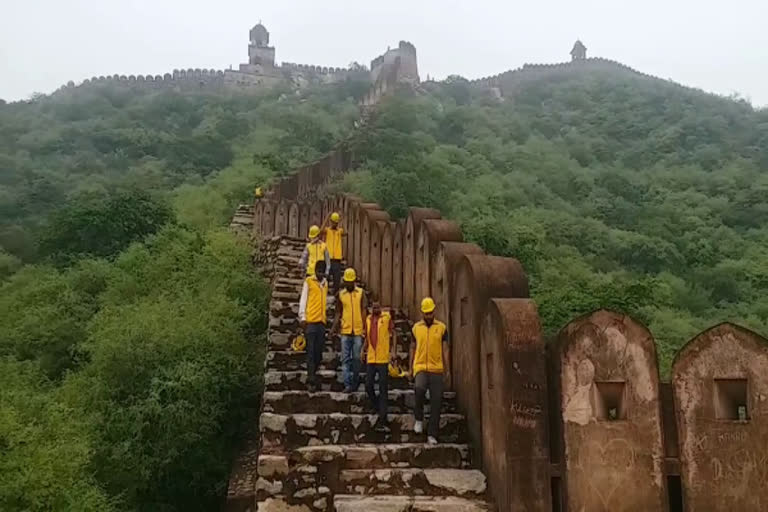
[(614, 190), (131, 322)]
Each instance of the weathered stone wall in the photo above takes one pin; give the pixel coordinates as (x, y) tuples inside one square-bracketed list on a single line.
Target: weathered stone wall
[(431, 233), (514, 406), (443, 268), (386, 268), (721, 396), (611, 415), (397, 266), (368, 244), (478, 279), (410, 256)]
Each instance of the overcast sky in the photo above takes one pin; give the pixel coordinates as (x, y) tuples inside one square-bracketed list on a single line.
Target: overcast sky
[(718, 46)]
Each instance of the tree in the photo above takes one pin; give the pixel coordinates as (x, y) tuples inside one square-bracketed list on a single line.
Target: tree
[(102, 226), (46, 447), (457, 87)]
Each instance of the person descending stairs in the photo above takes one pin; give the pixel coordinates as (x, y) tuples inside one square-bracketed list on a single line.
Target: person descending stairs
[(320, 448)]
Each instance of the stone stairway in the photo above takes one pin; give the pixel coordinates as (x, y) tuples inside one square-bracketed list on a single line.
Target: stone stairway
[(319, 450)]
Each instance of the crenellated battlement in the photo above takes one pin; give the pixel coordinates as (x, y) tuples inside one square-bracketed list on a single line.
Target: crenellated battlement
[(310, 68), (190, 78)]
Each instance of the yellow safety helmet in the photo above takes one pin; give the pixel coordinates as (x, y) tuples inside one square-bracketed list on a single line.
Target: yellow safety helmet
[(427, 305), (258, 192), (314, 231), (335, 217), (299, 343), (349, 275), (396, 372)]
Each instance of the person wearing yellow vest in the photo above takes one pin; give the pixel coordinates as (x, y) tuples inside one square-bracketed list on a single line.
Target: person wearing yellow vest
[(332, 236), (314, 251), (312, 318), (430, 361), (380, 343), (350, 317)]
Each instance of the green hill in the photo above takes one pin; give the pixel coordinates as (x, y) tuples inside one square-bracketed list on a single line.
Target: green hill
[(614, 189)]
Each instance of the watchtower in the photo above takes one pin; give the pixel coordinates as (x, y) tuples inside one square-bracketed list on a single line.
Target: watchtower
[(579, 51), (259, 51)]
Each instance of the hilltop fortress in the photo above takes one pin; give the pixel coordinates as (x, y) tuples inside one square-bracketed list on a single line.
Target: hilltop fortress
[(263, 71), (395, 65)]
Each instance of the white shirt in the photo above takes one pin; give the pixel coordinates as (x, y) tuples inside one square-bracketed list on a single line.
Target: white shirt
[(303, 299)]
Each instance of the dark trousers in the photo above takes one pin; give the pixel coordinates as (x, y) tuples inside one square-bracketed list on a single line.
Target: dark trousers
[(336, 274), (315, 335), (434, 383), (379, 403)]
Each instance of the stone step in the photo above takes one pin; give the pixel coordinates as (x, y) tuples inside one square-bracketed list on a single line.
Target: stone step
[(303, 472), (308, 483), (389, 503), (290, 250), (382, 456), (400, 401), (327, 380), (282, 432), (287, 329), (289, 360), (293, 272), (288, 281), (467, 483)]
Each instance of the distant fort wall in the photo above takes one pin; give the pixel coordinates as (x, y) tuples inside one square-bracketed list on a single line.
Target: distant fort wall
[(259, 72), (393, 67), (401, 60), (506, 84), (211, 78)]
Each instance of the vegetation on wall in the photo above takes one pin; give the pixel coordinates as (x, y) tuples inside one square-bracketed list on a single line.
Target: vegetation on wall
[(615, 191), (132, 326)]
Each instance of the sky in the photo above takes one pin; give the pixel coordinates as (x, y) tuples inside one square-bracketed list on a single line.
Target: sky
[(717, 46)]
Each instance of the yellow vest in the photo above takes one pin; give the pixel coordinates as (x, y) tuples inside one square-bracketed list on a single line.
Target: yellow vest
[(352, 311), (316, 300), (429, 347), (316, 253), (381, 354), (333, 240)]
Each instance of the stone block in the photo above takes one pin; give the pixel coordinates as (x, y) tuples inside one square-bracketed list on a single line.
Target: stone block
[(273, 466), (280, 505)]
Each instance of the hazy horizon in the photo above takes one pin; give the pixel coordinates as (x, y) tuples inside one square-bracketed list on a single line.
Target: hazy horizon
[(45, 44)]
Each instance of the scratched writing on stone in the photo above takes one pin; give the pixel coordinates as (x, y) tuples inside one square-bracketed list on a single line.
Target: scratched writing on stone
[(528, 423), (532, 386), (731, 437), (526, 409)]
